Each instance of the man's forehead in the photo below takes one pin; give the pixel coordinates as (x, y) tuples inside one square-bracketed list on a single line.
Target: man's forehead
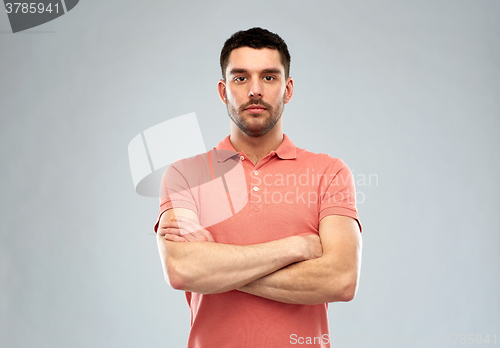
[(254, 59)]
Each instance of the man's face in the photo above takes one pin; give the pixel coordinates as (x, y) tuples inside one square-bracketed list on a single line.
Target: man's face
[(255, 89)]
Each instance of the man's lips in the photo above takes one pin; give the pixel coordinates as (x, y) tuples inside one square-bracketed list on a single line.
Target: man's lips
[(255, 109)]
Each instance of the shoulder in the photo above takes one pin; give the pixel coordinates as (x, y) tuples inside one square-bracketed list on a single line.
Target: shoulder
[(193, 169), (320, 161), (194, 161)]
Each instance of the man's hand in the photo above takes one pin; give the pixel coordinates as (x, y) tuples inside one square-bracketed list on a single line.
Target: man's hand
[(211, 268), (313, 246), (184, 229), (331, 277)]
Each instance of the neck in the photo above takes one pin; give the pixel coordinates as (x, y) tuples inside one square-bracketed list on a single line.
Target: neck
[(256, 147)]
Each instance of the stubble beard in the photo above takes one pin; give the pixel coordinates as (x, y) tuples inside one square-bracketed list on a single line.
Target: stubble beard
[(260, 129)]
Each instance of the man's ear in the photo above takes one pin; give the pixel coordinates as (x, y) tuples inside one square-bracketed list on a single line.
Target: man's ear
[(289, 89), (221, 88)]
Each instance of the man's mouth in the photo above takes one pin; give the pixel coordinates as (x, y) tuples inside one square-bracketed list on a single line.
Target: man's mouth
[(255, 109)]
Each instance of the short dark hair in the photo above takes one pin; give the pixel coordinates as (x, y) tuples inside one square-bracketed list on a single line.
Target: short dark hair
[(255, 38)]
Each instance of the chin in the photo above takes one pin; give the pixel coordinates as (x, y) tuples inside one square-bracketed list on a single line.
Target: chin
[(256, 132)]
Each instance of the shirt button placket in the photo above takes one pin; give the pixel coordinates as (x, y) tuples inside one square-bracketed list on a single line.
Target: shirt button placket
[(256, 207)]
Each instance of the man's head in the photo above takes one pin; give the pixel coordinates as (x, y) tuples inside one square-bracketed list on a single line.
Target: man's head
[(255, 65), (255, 38)]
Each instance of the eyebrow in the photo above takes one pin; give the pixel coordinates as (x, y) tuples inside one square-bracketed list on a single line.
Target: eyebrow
[(272, 71), (265, 71)]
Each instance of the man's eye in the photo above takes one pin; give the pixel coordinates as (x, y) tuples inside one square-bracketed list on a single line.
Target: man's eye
[(269, 78), (240, 79)]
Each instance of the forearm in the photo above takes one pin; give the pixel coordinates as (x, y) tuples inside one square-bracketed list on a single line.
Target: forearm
[(329, 278), (308, 282), (209, 268)]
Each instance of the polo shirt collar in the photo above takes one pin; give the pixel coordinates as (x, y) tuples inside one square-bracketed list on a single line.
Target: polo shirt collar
[(286, 150)]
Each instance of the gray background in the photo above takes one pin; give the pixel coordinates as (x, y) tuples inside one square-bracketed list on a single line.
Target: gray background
[(407, 91)]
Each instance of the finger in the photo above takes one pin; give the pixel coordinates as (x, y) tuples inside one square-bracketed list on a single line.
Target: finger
[(207, 236), (196, 237), (202, 237), (170, 224), (190, 237), (175, 231), (200, 232), (175, 238), (163, 230), (190, 226)]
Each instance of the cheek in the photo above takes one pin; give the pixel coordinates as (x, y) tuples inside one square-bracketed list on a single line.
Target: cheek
[(278, 93), (278, 98), (230, 102), (229, 96), (232, 99)]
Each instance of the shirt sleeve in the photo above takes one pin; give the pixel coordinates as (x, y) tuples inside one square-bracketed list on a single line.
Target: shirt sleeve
[(339, 196), (175, 192)]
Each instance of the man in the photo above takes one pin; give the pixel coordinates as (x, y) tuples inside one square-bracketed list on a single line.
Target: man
[(264, 276)]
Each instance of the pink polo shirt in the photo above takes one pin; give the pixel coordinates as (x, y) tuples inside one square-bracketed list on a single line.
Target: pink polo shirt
[(287, 193)]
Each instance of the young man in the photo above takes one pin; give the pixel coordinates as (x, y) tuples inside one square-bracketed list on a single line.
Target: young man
[(263, 277)]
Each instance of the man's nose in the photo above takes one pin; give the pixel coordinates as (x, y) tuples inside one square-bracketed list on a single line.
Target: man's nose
[(255, 89)]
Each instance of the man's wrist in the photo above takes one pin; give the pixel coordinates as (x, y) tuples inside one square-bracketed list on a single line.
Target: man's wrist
[(299, 248)]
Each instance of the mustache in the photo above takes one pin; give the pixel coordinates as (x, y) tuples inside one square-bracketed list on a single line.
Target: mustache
[(256, 101)]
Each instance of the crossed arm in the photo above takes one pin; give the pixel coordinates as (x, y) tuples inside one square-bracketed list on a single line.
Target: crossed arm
[(299, 269)]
